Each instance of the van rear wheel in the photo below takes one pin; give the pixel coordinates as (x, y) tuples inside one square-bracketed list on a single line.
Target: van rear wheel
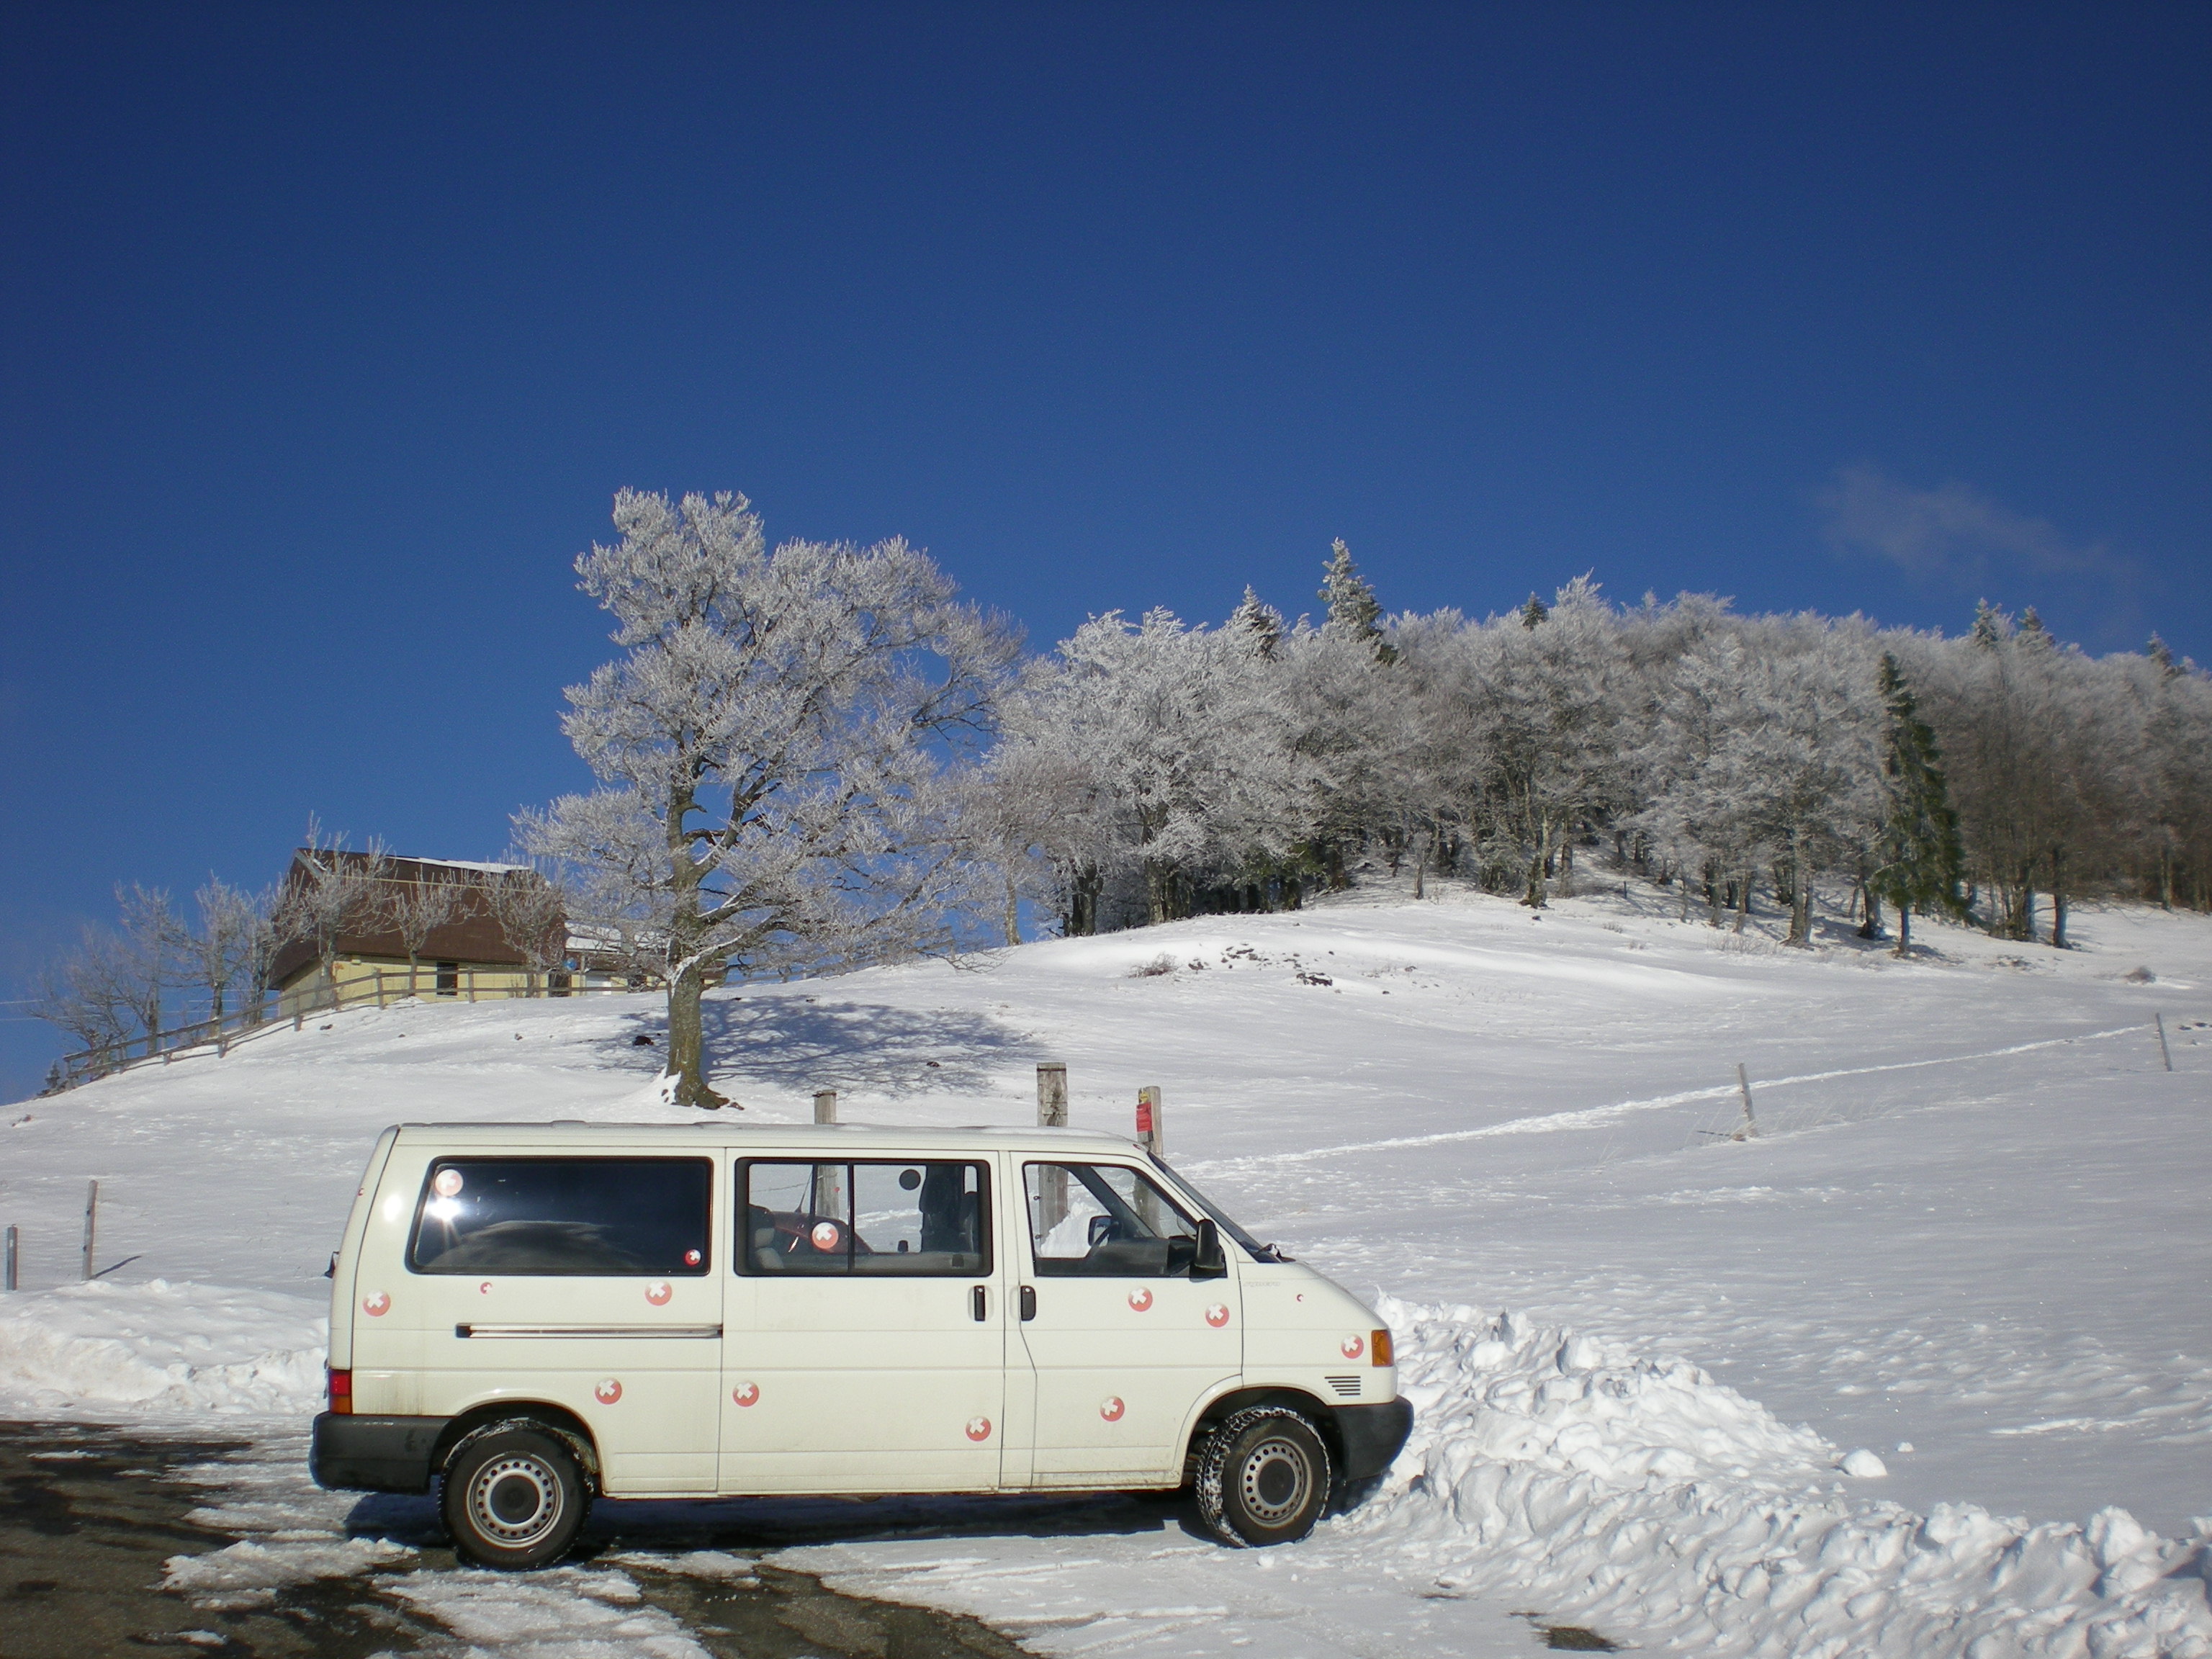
[(514, 1498), (1263, 1478)]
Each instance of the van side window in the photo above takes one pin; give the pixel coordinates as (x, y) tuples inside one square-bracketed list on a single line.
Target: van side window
[(917, 1218), (1105, 1220), (564, 1216)]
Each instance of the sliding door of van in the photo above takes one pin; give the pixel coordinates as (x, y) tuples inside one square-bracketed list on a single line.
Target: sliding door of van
[(585, 1281), (865, 1344), (1122, 1342)]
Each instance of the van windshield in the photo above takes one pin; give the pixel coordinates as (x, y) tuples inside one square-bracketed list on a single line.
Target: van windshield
[(1252, 1246)]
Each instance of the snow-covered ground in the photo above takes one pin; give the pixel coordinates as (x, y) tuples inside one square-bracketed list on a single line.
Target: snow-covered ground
[(1926, 1367)]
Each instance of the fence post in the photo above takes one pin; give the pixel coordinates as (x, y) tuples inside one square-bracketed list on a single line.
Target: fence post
[(1750, 1130), (91, 1224), (14, 1249), (380, 990), (1052, 1096), (825, 1105), (2164, 1053), (470, 973), (1152, 1130)]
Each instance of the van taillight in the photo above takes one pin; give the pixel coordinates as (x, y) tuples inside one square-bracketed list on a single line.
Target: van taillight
[(1378, 1344), (342, 1393)]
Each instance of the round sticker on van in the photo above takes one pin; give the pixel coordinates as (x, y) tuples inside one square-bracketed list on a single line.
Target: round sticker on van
[(1140, 1299), (659, 1291), (1216, 1316), (608, 1392), (824, 1235), (1110, 1408), (979, 1428), (376, 1306), (1352, 1347), (746, 1394), (447, 1183)]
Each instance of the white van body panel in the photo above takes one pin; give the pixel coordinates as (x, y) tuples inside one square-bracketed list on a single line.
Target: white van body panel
[(724, 1380)]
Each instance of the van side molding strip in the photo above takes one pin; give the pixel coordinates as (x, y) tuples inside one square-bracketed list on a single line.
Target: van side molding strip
[(698, 1332)]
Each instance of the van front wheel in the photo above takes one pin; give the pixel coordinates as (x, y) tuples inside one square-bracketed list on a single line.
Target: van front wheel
[(1263, 1478), (514, 1498)]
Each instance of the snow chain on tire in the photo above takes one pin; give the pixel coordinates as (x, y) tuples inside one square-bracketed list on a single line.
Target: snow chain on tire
[(1243, 1495)]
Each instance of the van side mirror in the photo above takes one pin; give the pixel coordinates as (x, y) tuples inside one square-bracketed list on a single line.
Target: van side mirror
[(1207, 1262)]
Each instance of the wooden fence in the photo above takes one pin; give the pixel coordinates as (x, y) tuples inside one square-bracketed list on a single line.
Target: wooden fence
[(281, 1010)]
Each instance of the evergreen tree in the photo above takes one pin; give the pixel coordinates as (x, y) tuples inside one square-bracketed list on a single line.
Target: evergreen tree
[(1533, 612), (1354, 613), (1990, 625), (1919, 847), (1257, 626), (2159, 653)]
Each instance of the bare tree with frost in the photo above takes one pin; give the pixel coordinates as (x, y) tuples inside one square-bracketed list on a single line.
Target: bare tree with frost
[(772, 746)]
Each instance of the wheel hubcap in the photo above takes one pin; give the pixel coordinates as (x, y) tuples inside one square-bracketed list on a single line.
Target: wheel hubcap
[(1275, 1481), (515, 1501)]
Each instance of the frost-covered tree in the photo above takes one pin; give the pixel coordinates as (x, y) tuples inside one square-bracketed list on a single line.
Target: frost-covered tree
[(1173, 750), (230, 950), (1353, 611), (415, 908), (772, 746)]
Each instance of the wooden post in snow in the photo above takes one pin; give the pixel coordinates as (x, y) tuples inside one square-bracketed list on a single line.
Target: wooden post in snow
[(1152, 1130), (1750, 1130), (825, 1105), (91, 1224), (1052, 1096), (2164, 1053), (14, 1250)]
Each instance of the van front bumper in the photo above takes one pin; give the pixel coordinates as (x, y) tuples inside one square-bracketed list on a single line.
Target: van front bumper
[(374, 1453), (1373, 1435)]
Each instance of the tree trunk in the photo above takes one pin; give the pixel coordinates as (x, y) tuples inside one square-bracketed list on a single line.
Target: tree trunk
[(1013, 913), (2058, 898), (687, 1063), (1871, 927), (687, 1041), (1157, 876), (1904, 931), (1743, 903), (1800, 893), (1539, 862)]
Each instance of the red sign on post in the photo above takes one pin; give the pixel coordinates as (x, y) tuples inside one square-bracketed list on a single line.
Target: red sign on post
[(1145, 1118)]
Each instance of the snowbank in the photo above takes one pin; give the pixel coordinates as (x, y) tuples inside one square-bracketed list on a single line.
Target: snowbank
[(1644, 1499), (159, 1349)]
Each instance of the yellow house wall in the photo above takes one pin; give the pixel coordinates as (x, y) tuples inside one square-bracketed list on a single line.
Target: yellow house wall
[(357, 983)]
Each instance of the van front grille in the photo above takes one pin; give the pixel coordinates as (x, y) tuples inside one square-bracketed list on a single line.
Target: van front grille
[(1347, 1387)]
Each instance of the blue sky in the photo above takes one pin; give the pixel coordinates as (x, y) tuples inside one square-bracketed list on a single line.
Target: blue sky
[(330, 332)]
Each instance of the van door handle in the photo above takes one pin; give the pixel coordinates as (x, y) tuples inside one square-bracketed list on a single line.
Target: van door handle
[(1028, 1301), (982, 1311)]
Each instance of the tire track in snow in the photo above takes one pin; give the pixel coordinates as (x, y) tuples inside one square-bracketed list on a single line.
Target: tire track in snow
[(1588, 1116)]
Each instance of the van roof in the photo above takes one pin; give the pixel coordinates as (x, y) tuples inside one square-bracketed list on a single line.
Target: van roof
[(846, 1137)]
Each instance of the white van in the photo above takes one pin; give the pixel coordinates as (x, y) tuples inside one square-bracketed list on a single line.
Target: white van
[(535, 1313)]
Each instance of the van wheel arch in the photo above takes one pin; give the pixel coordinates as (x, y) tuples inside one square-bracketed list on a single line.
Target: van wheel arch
[(557, 1420), (1310, 1406)]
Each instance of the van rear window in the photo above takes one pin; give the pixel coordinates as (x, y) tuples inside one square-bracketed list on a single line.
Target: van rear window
[(920, 1218), (564, 1216)]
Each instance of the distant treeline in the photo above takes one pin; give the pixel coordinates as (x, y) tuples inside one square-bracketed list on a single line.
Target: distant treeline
[(1150, 771)]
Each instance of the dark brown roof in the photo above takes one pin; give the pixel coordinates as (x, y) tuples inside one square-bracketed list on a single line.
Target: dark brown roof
[(474, 936)]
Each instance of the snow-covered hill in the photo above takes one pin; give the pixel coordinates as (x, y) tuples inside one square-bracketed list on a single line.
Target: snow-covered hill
[(1744, 1395)]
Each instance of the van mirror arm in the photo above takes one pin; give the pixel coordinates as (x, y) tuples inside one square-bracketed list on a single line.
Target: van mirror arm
[(1207, 1262)]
